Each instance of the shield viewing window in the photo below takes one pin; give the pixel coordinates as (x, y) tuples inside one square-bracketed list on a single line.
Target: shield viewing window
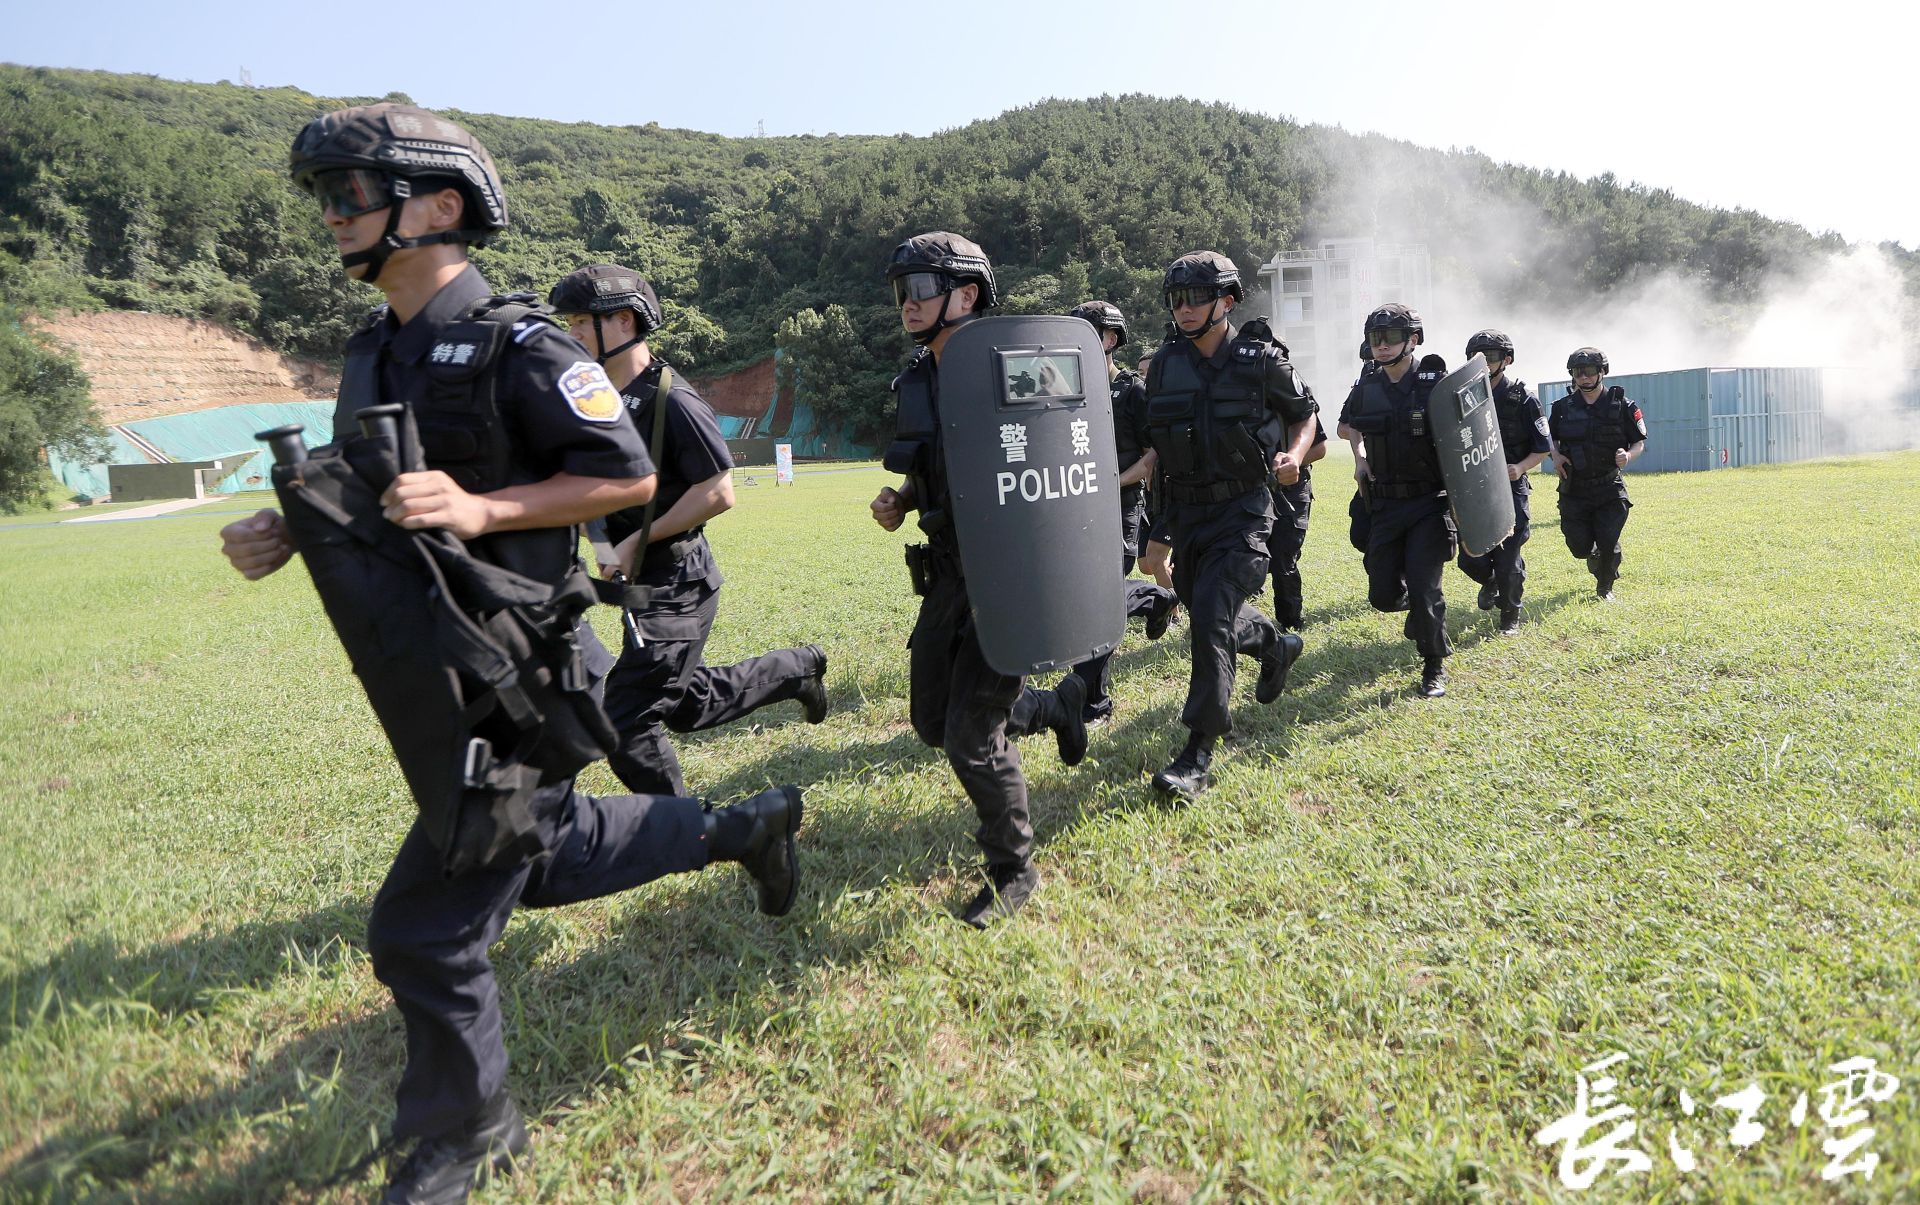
[(1473, 395), (1040, 375)]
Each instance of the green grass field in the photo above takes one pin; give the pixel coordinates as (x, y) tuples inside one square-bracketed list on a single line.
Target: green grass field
[(1368, 966)]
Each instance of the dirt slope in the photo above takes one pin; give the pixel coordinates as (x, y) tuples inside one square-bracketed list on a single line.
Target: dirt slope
[(147, 365)]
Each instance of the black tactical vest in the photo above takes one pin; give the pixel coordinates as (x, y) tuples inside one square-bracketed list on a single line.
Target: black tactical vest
[(915, 452), (1211, 427), (458, 420), (1516, 429), (1589, 435), (1124, 442), (1400, 452)]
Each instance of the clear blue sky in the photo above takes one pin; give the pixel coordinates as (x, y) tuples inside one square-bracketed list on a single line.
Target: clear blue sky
[(1798, 111)]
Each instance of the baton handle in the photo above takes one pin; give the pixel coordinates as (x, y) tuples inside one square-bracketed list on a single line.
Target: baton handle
[(286, 443), (381, 422)]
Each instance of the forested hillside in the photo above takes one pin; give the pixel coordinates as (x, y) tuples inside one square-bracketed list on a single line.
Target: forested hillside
[(136, 192)]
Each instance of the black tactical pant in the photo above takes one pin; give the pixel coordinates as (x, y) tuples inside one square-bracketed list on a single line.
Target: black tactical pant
[(960, 704), (1409, 542), (1219, 562), (1293, 505), (429, 934), (1359, 522), (1144, 599), (1592, 516), (665, 686), (1502, 565)]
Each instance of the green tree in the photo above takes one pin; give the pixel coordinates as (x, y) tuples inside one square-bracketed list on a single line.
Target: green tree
[(823, 363), (44, 403), (308, 308)]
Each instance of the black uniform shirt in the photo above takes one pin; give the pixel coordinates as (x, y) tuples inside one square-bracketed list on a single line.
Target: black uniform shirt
[(694, 451), (558, 408)]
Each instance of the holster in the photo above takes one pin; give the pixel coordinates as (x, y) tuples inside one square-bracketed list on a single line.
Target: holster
[(920, 568)]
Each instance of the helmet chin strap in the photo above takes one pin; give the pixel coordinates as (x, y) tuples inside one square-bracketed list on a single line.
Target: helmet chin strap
[(608, 353), (1213, 320), (390, 241), (1405, 351), (941, 323)]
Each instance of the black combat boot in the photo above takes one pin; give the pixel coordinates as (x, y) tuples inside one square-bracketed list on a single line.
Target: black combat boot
[(1187, 777), (443, 1170), (758, 833), (1274, 664), (1162, 616), (1008, 886), (1509, 620), (1066, 715), (1433, 678), (813, 691), (1607, 574), (1489, 596)]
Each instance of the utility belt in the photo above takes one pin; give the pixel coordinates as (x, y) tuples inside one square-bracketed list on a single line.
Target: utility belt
[(927, 562), (1400, 491), (1212, 493), (1606, 483)]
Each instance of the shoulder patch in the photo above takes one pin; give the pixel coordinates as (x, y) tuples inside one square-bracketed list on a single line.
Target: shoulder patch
[(1540, 424), (590, 395)]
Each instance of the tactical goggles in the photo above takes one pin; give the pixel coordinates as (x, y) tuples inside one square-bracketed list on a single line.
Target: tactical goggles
[(1587, 370), (1191, 295), (352, 191), (921, 286), (1387, 336)]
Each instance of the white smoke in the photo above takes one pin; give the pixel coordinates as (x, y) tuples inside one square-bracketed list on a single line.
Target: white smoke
[(1846, 312)]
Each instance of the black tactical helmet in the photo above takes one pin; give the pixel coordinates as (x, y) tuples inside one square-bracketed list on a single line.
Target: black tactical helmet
[(409, 143), (959, 259), (1588, 357), (1202, 269), (1104, 316), (1490, 340), (608, 289), (1392, 316), (601, 289)]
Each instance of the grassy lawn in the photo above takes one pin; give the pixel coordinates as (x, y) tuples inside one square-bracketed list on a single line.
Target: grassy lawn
[(1367, 966)]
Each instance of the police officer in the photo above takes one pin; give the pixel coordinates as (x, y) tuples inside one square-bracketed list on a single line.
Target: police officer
[(959, 703), (1228, 416), (660, 682), (1502, 572), (1410, 533), (1145, 600), (1597, 432), (523, 436)]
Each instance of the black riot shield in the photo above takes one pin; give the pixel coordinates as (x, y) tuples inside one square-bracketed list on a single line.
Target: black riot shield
[(1027, 425), (1473, 460)]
